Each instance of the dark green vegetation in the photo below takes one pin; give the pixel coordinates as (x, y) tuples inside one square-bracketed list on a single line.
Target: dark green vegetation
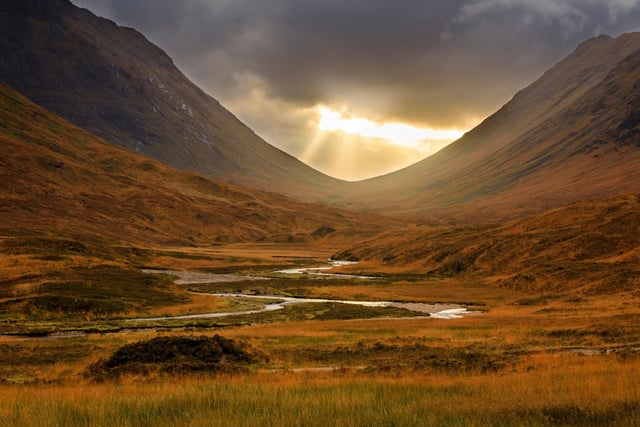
[(176, 355), (94, 292), (326, 311), (70, 322), (298, 286)]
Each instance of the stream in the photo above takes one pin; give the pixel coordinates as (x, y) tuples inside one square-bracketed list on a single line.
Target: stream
[(320, 271), (436, 311)]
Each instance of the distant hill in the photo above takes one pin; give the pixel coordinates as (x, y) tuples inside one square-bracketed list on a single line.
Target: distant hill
[(114, 83), (572, 134), (59, 181)]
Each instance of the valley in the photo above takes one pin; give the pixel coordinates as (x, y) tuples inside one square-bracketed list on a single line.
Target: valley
[(161, 264), (554, 353)]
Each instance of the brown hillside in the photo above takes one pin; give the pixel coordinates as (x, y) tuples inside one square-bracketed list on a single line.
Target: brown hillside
[(592, 246), (58, 180), (573, 134), (114, 83)]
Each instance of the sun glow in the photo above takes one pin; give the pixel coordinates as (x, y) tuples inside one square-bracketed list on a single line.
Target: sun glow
[(397, 133)]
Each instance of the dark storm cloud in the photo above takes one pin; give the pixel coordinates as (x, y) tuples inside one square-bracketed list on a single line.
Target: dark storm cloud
[(431, 63), (434, 62)]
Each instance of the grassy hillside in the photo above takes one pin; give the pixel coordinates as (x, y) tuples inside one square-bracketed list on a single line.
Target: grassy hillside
[(60, 180), (590, 247)]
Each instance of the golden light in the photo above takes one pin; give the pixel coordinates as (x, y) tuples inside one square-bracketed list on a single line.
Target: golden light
[(397, 133)]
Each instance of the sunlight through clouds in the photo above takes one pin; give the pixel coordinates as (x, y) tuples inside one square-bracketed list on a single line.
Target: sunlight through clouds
[(355, 148), (397, 133)]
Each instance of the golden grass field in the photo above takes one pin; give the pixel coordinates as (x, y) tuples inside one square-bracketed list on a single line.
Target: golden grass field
[(562, 391), (528, 359)]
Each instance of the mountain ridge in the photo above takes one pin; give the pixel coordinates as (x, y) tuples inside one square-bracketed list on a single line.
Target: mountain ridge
[(545, 148), (113, 82), (489, 164)]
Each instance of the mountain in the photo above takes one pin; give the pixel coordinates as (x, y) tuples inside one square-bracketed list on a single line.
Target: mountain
[(60, 182), (572, 134), (114, 83)]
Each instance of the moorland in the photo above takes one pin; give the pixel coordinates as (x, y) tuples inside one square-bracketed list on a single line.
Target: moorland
[(146, 288)]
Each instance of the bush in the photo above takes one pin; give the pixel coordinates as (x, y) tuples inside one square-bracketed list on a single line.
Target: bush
[(176, 355)]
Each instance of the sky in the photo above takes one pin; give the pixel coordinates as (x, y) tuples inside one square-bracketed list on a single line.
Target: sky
[(359, 88)]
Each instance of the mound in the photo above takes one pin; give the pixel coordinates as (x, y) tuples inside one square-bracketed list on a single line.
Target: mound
[(177, 355)]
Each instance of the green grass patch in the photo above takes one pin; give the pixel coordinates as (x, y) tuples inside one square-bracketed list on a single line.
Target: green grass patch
[(302, 286), (95, 292)]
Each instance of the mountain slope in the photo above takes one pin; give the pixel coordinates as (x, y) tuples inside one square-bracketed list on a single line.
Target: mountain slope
[(114, 83), (60, 181), (572, 134)]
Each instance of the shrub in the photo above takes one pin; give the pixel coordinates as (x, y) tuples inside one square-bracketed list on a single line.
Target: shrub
[(176, 355)]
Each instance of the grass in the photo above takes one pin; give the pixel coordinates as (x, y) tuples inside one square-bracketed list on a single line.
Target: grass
[(589, 247), (296, 286), (524, 362), (531, 358), (567, 391), (297, 312), (82, 292)]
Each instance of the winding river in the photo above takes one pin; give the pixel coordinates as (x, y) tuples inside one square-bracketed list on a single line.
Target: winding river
[(436, 311), (320, 271)]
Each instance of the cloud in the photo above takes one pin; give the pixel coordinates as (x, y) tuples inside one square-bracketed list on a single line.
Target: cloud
[(572, 15), (547, 9), (439, 63)]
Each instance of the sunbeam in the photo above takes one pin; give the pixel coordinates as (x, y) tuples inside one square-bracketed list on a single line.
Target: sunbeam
[(397, 133)]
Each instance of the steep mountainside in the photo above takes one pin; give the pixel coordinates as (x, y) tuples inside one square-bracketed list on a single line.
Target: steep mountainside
[(114, 83), (59, 181), (572, 134)]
